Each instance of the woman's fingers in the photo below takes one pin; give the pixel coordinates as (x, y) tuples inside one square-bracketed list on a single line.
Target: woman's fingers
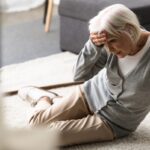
[(98, 39), (97, 35)]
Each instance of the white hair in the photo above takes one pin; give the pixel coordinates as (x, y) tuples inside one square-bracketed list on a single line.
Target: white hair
[(115, 19)]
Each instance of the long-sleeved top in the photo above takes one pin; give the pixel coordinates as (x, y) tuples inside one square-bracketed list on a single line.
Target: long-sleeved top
[(123, 101)]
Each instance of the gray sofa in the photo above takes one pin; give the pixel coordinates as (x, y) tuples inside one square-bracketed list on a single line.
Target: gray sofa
[(75, 14)]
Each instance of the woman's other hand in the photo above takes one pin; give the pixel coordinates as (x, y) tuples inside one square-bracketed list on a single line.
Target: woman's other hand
[(98, 38)]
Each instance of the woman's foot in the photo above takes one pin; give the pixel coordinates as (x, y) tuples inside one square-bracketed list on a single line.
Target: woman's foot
[(34, 94), (46, 99)]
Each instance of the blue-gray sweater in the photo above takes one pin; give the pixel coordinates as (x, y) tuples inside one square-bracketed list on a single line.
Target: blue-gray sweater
[(122, 101)]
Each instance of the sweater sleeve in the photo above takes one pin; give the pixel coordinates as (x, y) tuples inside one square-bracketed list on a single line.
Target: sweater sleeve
[(90, 61)]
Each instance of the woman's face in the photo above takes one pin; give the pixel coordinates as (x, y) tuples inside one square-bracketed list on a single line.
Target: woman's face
[(121, 46)]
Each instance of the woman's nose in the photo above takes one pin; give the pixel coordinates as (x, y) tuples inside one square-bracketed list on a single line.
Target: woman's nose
[(112, 50)]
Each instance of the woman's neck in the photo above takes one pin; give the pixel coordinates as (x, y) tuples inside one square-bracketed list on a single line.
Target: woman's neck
[(142, 41)]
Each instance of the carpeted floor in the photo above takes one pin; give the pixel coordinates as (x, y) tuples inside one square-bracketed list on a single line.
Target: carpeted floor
[(23, 37), (50, 70)]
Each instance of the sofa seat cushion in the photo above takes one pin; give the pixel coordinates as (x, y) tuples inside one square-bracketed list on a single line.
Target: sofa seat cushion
[(84, 9)]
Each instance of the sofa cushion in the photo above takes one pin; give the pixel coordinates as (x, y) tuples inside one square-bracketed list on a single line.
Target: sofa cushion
[(84, 9)]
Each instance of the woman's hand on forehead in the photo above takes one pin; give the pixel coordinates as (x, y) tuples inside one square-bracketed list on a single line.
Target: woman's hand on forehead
[(98, 38)]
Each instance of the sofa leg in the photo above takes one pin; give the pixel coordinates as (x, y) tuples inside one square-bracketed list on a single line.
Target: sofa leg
[(45, 11), (49, 15)]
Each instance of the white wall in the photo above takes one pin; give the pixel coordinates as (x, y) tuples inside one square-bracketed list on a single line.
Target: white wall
[(56, 2)]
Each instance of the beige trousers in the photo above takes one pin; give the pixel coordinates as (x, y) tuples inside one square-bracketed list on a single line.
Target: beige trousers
[(71, 116)]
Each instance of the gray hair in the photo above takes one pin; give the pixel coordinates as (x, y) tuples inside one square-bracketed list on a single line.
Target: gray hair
[(115, 19)]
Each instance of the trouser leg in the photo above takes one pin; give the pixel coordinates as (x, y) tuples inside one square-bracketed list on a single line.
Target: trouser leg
[(78, 131), (69, 107)]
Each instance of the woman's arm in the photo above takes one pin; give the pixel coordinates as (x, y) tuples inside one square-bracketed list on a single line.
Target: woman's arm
[(90, 61)]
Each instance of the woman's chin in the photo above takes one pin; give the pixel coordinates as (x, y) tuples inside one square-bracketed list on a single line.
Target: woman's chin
[(120, 55)]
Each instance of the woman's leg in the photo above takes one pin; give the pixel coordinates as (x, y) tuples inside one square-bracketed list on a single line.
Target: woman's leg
[(72, 117), (69, 107), (78, 131)]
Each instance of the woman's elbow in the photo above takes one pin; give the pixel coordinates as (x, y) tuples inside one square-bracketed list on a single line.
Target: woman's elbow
[(79, 78), (76, 78)]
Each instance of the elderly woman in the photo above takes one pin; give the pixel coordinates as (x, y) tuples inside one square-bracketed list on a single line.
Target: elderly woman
[(114, 99)]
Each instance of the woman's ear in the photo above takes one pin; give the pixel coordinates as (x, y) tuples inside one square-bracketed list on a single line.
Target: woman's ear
[(129, 28)]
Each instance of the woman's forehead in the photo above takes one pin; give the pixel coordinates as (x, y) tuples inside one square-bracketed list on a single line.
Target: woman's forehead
[(114, 36)]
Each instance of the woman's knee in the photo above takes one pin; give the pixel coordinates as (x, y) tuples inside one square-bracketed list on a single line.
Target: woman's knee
[(35, 120)]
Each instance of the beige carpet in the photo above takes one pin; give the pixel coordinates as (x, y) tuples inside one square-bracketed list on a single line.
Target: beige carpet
[(51, 70)]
